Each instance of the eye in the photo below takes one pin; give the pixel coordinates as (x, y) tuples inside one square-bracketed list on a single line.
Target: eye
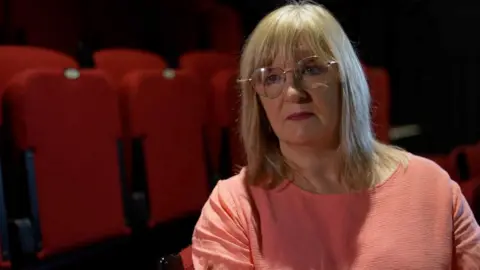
[(313, 70), (272, 79)]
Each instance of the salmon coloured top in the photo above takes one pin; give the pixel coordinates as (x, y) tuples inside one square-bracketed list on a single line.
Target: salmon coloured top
[(416, 219)]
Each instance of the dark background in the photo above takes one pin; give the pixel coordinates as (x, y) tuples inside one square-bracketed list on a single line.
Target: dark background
[(430, 48)]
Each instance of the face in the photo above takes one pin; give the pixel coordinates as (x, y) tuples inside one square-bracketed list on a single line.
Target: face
[(301, 100)]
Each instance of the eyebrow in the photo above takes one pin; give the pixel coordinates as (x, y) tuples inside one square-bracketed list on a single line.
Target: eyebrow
[(298, 54), (298, 58)]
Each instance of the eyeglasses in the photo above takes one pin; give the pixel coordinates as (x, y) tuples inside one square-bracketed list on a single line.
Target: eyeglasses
[(310, 73)]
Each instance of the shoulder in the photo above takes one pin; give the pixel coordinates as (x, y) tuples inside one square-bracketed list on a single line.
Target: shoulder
[(225, 207), (423, 190), (221, 235), (235, 182), (423, 166), (229, 199), (427, 179), (233, 190)]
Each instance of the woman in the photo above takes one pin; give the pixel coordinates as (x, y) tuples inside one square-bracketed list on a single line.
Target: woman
[(319, 192)]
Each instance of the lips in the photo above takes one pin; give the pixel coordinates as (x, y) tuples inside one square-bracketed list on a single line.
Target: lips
[(300, 116)]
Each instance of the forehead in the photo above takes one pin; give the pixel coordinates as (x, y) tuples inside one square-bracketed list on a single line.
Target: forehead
[(287, 43), (282, 60)]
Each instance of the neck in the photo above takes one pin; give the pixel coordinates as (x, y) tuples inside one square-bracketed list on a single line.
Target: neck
[(316, 170)]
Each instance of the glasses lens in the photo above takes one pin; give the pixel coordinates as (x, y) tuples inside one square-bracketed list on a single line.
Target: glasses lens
[(312, 72), (268, 81)]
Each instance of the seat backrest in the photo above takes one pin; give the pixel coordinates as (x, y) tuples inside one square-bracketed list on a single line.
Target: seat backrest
[(379, 83), (118, 62), (227, 108), (163, 112), (445, 162), (226, 97), (20, 58), (470, 189), (456, 165), (207, 63), (68, 126), (464, 160), (461, 163), (472, 153), (186, 255)]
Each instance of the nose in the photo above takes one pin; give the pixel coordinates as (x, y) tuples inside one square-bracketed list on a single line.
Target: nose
[(295, 92)]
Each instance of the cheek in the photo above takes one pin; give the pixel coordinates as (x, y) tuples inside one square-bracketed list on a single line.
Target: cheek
[(272, 109), (327, 104)]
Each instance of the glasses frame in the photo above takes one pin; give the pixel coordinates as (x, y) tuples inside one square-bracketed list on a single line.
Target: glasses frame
[(284, 73)]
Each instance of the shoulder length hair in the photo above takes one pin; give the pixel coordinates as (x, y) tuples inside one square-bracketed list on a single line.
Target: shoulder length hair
[(280, 33)]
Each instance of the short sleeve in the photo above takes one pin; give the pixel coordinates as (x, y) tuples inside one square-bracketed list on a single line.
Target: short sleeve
[(466, 233), (219, 239)]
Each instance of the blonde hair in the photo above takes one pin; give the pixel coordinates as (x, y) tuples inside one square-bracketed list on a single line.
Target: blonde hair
[(280, 33)]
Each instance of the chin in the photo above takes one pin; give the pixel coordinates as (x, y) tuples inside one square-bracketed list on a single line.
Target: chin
[(305, 140)]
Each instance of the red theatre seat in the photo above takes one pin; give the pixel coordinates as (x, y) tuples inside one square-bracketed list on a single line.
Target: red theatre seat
[(379, 83), (163, 115), (461, 163), (472, 156), (118, 62), (470, 190), (186, 255), (20, 58), (67, 126), (227, 107), (205, 65)]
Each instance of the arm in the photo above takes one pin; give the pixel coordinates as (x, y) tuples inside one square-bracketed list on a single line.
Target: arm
[(466, 233), (219, 240)]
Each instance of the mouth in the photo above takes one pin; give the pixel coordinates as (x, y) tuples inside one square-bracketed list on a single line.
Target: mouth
[(300, 116)]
